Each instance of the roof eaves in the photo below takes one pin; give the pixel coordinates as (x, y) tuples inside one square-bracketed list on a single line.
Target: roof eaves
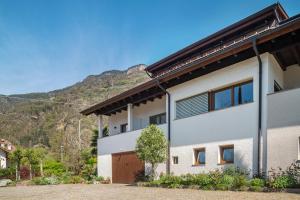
[(195, 45)]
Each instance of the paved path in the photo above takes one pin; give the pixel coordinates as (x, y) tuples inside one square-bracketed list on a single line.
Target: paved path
[(123, 192)]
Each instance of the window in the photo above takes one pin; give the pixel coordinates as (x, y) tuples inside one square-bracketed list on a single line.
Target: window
[(199, 156), (175, 160), (158, 119), (243, 93), (192, 106), (233, 95), (222, 99), (227, 154), (277, 87), (123, 128)]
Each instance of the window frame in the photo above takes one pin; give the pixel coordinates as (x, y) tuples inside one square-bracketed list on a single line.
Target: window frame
[(121, 130), (221, 154), (175, 158), (277, 87), (196, 153), (159, 115), (231, 87)]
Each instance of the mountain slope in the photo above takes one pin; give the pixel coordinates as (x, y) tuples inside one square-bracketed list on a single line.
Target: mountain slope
[(52, 118)]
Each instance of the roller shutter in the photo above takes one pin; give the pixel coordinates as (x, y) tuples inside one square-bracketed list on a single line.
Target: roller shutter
[(192, 106)]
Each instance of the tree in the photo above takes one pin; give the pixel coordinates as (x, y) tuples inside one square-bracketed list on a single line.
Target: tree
[(94, 142), (151, 147), (16, 157), (40, 154), (105, 132), (32, 158), (88, 164)]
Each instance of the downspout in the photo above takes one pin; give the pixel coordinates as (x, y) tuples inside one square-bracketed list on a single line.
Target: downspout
[(259, 107), (168, 122)]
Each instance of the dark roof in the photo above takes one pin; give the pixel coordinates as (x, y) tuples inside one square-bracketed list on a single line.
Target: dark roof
[(220, 36), (270, 38)]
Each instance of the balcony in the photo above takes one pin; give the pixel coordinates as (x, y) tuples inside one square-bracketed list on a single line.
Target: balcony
[(122, 142), (284, 108)]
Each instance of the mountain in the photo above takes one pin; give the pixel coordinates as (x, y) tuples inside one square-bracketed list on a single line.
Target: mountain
[(52, 118)]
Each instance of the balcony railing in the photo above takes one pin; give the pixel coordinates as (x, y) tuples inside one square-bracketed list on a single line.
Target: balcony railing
[(284, 108)]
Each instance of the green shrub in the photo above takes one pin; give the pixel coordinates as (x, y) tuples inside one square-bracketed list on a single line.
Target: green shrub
[(88, 172), (222, 187), (72, 180), (282, 182), (215, 177), (45, 180), (76, 180), (54, 168), (202, 180), (280, 179), (240, 181), (170, 180), (208, 187), (99, 178), (187, 179), (155, 183), (235, 171), (243, 188), (227, 180), (257, 182), (8, 173), (256, 188)]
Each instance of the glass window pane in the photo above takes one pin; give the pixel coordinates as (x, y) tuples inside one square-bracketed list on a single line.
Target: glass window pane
[(152, 120), (123, 128), (247, 92), (228, 155), (201, 157), (163, 118), (237, 95), (158, 119), (222, 99), (243, 93)]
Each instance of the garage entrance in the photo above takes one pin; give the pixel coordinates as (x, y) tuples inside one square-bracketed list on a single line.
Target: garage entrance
[(125, 166)]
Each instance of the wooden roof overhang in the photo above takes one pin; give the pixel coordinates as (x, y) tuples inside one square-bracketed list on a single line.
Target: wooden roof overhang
[(284, 36)]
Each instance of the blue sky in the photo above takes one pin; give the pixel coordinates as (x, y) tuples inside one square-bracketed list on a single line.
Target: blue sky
[(47, 45)]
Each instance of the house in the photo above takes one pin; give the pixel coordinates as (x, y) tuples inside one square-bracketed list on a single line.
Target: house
[(232, 98), (5, 148)]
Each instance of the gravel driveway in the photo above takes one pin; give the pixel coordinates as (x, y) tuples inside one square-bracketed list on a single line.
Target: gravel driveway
[(123, 192)]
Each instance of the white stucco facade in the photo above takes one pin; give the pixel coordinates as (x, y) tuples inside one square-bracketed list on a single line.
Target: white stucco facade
[(3, 159), (237, 125)]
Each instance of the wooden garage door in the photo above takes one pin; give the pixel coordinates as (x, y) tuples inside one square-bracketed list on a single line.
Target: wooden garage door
[(125, 166)]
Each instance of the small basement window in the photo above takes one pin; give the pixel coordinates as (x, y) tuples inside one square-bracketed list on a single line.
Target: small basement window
[(226, 154), (199, 155), (175, 160)]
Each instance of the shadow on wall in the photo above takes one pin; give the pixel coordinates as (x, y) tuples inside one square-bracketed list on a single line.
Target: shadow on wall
[(240, 163)]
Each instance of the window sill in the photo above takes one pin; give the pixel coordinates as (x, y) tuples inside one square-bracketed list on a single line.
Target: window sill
[(226, 163), (198, 165)]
